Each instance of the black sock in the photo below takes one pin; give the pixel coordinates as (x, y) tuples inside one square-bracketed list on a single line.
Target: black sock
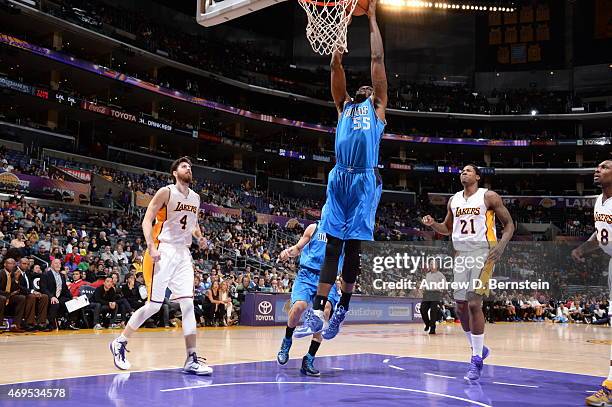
[(345, 299), (319, 303), (289, 332), (314, 347)]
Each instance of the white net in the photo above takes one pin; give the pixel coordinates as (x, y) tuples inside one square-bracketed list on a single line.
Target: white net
[(327, 24)]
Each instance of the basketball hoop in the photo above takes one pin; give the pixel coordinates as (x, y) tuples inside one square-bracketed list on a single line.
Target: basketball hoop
[(327, 24)]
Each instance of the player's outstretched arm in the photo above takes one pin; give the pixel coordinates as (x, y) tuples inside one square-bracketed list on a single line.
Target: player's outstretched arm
[(159, 200), (338, 81), (296, 249), (494, 202), (377, 56)]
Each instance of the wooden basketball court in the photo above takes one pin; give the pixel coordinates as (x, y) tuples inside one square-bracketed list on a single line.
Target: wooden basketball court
[(581, 349)]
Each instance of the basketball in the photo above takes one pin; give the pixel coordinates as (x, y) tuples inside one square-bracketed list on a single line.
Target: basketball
[(361, 8)]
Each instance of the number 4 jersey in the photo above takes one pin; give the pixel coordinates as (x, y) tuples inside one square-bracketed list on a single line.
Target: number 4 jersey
[(176, 222), (603, 223), (473, 224)]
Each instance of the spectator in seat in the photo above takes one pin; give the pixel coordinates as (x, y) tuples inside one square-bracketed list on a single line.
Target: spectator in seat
[(53, 284), (120, 258), (77, 283), (261, 286), (276, 288), (226, 298), (37, 303), (74, 256), (137, 264), (93, 246), (45, 241), (107, 255), (214, 307), (12, 302), (130, 292), (19, 241), (100, 277), (85, 262), (103, 240), (106, 296), (198, 300)]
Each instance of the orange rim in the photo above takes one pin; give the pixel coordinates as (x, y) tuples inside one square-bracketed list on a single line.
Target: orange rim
[(325, 4)]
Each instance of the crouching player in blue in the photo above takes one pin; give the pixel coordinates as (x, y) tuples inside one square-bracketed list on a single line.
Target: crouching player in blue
[(311, 246)]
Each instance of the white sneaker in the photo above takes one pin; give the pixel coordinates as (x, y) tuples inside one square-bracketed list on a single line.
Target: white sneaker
[(97, 327), (118, 349), (196, 365)]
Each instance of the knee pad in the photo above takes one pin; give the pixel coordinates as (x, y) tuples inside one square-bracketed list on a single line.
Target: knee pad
[(352, 261), (333, 249), (188, 312)]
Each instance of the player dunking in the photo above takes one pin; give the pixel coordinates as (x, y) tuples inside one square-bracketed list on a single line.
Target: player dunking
[(601, 238), (354, 185), (168, 264), (311, 249), (470, 220)]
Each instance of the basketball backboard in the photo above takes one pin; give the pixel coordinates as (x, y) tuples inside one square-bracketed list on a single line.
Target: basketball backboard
[(210, 13)]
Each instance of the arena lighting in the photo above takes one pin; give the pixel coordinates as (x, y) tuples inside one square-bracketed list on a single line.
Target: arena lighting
[(534, 112), (425, 4)]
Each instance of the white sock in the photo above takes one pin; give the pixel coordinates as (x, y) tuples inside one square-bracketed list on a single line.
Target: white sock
[(320, 314), (477, 344), (468, 335), (121, 338)]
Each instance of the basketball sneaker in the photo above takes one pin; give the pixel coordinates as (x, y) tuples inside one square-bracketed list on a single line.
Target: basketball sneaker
[(485, 352), (308, 368), (334, 323), (118, 349), (196, 365), (602, 398), (283, 355), (313, 324), (475, 369)]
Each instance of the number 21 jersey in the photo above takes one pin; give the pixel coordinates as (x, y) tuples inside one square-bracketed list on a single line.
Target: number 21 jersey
[(472, 222)]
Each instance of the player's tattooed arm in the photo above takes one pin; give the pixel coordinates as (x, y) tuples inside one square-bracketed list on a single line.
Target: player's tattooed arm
[(493, 201), (590, 245), (338, 81), (444, 228), (296, 249)]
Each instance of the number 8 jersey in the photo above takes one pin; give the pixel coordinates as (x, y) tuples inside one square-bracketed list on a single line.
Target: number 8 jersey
[(175, 223), (472, 222), (603, 223)]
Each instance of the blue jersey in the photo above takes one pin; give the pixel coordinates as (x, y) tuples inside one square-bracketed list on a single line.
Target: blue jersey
[(313, 253), (358, 135)]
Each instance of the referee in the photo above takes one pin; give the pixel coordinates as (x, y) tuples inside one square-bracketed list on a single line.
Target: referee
[(432, 298)]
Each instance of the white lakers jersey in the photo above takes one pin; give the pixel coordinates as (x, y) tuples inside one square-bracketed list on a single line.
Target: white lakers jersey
[(603, 223), (472, 222), (176, 222)]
